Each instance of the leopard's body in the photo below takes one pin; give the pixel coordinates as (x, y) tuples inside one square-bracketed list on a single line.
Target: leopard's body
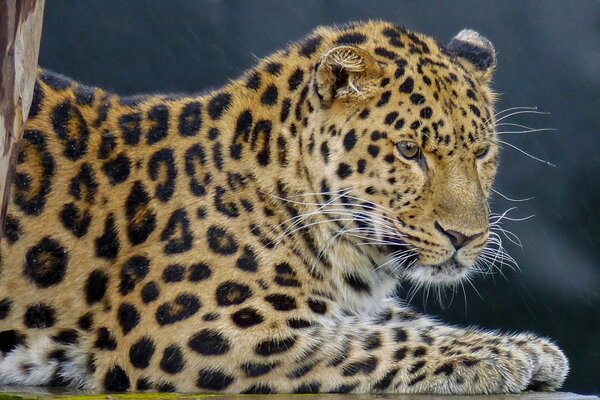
[(250, 240)]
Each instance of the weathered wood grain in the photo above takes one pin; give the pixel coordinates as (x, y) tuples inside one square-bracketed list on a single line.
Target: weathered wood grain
[(41, 394), (20, 33)]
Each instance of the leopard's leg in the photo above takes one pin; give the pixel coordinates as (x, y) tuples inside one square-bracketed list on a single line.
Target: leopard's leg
[(394, 352)]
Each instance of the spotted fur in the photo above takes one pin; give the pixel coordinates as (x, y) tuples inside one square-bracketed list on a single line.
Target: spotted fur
[(249, 240)]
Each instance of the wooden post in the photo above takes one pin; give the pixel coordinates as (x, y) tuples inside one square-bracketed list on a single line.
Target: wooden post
[(20, 33)]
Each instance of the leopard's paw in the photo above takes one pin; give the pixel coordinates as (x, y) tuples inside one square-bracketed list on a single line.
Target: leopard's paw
[(550, 365)]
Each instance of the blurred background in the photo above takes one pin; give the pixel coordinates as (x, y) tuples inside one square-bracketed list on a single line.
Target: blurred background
[(548, 56)]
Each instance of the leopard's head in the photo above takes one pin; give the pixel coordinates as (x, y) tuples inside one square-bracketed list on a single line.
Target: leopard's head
[(407, 142)]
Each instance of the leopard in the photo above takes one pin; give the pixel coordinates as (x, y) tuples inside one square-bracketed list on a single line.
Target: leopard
[(251, 239)]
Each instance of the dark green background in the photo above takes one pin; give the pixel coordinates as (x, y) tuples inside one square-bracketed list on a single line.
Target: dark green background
[(548, 56)]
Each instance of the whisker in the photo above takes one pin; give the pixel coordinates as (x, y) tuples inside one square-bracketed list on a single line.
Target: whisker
[(514, 125), (301, 217), (468, 279), (512, 114), (414, 290), (497, 240), (326, 221), (287, 200), (343, 211), (513, 238), (533, 108), (519, 219), (397, 258), (328, 244), (526, 153), (426, 292), (510, 199), (371, 203), (526, 131), (361, 216), (464, 296), (496, 218)]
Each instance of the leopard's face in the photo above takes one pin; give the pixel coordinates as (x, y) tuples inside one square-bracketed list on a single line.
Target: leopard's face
[(411, 149)]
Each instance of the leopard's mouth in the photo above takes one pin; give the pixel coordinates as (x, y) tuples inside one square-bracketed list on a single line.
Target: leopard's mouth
[(447, 272), (406, 261)]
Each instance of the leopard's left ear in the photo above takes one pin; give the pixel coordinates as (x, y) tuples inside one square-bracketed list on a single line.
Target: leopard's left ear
[(346, 72), (475, 52)]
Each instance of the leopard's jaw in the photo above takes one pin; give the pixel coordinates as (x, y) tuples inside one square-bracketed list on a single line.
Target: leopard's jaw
[(190, 243)]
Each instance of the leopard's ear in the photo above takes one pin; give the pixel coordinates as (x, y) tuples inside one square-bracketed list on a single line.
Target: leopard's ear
[(475, 52), (346, 72)]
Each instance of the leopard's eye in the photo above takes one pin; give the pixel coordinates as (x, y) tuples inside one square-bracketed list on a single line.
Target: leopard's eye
[(482, 152), (408, 150)]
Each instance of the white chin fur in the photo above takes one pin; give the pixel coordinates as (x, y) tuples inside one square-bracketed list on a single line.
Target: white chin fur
[(446, 273)]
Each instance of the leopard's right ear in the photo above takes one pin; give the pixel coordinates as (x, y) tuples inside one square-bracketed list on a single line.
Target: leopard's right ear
[(345, 72), (474, 52)]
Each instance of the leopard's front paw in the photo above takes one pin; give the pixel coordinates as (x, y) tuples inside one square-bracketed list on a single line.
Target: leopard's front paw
[(550, 365), (485, 371)]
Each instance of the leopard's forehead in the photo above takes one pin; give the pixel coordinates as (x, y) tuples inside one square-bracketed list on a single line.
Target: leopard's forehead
[(427, 95)]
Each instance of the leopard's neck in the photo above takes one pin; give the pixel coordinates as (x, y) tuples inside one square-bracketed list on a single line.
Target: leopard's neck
[(269, 132)]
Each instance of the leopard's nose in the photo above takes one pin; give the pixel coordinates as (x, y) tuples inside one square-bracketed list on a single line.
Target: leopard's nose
[(457, 239)]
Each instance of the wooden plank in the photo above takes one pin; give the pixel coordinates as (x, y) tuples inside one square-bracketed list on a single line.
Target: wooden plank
[(44, 395), (20, 33)]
